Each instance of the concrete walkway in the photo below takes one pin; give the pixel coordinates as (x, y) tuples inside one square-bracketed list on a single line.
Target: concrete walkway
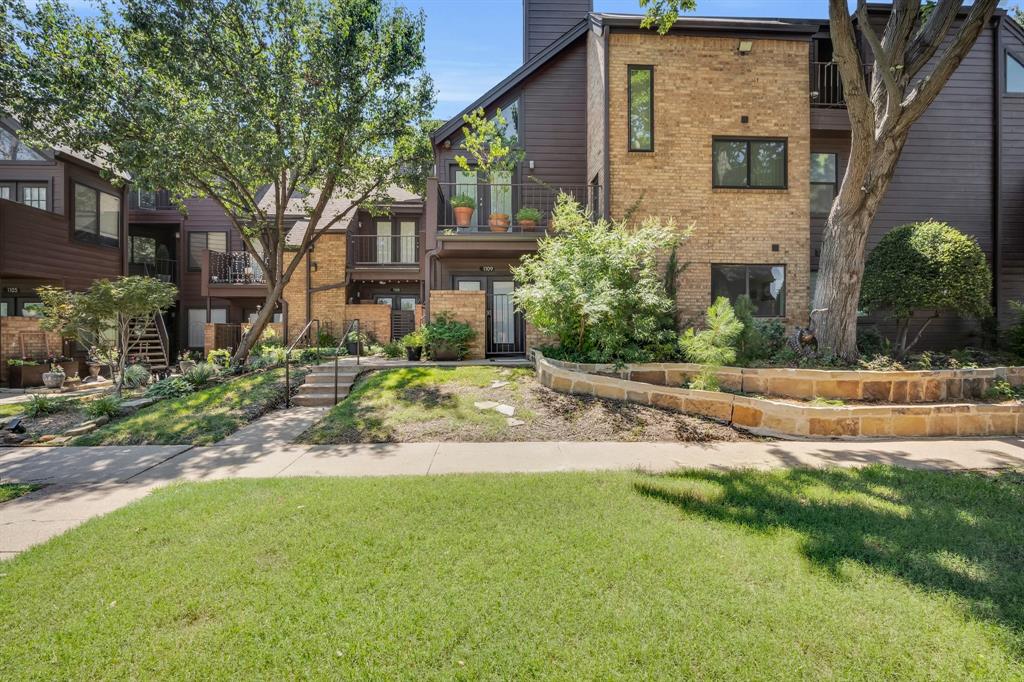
[(85, 482)]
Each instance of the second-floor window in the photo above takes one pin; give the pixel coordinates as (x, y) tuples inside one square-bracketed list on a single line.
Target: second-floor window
[(641, 108), (13, 149), (748, 163), (34, 194), (1014, 74), (823, 183), (97, 215), (199, 241)]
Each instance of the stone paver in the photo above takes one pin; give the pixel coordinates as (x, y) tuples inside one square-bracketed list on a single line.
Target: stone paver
[(280, 427)]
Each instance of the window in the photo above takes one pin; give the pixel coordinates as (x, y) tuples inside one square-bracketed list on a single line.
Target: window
[(97, 215), (34, 194), (198, 241), (197, 324), (144, 198), (12, 149), (823, 183), (764, 284), (749, 164), (641, 108), (1014, 74)]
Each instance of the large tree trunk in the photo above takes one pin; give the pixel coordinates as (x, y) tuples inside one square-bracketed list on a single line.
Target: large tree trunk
[(837, 292), (274, 292)]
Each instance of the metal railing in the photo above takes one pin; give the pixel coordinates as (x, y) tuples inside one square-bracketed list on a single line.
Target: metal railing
[(352, 326), (827, 85), (163, 269), (385, 250), (497, 205), (235, 267), (307, 334)]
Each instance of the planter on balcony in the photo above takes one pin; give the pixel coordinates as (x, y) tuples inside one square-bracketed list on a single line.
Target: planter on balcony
[(499, 222), (463, 216)]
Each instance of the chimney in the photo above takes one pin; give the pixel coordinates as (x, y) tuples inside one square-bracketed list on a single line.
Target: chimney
[(544, 22)]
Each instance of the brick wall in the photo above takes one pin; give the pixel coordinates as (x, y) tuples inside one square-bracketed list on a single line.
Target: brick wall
[(535, 339), (465, 306), (374, 318), (330, 256), (16, 332), (595, 106), (702, 88)]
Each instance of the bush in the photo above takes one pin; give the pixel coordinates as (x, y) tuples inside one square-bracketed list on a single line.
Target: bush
[(395, 349), (414, 339), (925, 266), (325, 338), (1001, 390), (219, 357), (269, 339), (760, 339), (527, 213), (444, 330), (136, 376), (596, 287), (1013, 337), (267, 357), (107, 406), (175, 387), (715, 345), (201, 374), (38, 405)]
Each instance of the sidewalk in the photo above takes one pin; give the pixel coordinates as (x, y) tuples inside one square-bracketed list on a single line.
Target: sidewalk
[(85, 482)]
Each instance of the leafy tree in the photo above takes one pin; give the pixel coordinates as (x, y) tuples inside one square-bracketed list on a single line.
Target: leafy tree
[(596, 286), (249, 103), (109, 317), (925, 266), (494, 152), (882, 110)]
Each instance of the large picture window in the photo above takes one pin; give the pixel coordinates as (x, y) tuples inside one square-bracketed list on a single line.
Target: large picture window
[(12, 149), (1014, 74), (823, 183), (97, 215), (200, 241), (641, 108), (749, 164), (764, 284)]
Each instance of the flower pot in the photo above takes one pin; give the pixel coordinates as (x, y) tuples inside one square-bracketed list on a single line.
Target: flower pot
[(355, 348), (53, 379), (25, 376), (94, 371), (185, 365), (499, 222), (528, 225), (413, 354), (444, 351), (463, 215)]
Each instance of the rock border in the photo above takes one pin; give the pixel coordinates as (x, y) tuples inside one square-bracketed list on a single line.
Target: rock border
[(763, 416)]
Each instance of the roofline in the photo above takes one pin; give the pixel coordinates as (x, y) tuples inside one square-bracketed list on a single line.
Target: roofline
[(795, 27), (513, 79)]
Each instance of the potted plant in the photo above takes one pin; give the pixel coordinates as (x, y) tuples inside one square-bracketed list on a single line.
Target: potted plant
[(463, 206), (55, 377), (413, 342), (185, 362), (496, 155), (356, 342), (446, 338), (24, 372), (95, 365), (528, 218)]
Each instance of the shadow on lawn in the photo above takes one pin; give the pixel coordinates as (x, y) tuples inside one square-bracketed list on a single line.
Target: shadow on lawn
[(955, 533)]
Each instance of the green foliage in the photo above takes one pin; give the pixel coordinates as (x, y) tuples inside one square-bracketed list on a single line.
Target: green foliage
[(414, 339), (595, 286), (818, 401), (925, 266), (661, 14), (39, 405), (201, 374), (492, 150), (108, 406), (21, 362), (463, 201), (219, 357), (1013, 337), (707, 380), (760, 338), (716, 344), (136, 376), (174, 387), (445, 330), (394, 349), (528, 213), (325, 339), (271, 356), (1001, 390)]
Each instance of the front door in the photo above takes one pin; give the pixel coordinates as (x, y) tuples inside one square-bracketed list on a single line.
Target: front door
[(506, 329)]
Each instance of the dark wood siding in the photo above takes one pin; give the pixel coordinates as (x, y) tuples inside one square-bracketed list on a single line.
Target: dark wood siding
[(51, 173), (1011, 186), (544, 21)]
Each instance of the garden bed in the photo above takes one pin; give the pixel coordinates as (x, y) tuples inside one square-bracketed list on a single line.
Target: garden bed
[(420, 404)]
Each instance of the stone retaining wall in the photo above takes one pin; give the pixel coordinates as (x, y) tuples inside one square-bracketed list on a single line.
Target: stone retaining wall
[(771, 417), (807, 384)]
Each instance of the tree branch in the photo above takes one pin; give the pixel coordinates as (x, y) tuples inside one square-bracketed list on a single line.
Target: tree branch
[(844, 45), (930, 37), (883, 62), (920, 332)]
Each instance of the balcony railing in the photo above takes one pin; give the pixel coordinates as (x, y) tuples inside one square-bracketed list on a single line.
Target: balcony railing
[(385, 250), (235, 267), (497, 205), (159, 200), (163, 269), (827, 85)]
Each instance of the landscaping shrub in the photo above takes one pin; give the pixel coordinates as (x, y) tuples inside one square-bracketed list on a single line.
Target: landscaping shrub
[(136, 376), (201, 374), (39, 405), (925, 266), (444, 330), (219, 357), (395, 349), (714, 346), (1001, 390), (270, 356), (760, 338), (414, 339), (596, 287), (1013, 337), (107, 406), (175, 387), (325, 338)]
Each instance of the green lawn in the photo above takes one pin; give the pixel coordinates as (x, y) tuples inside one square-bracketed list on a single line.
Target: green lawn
[(9, 491), (879, 574), (8, 410), (202, 418)]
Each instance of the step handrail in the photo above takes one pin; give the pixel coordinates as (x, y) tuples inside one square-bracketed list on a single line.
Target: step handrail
[(165, 342), (352, 326), (288, 360)]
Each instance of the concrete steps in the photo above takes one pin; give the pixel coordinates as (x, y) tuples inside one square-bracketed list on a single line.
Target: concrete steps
[(318, 387)]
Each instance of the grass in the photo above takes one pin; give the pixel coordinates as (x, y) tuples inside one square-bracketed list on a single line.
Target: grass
[(201, 418), (8, 410), (9, 491), (805, 574), (384, 401)]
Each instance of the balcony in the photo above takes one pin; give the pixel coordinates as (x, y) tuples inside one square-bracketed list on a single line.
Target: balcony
[(142, 200), (826, 86), (231, 273), (494, 216), (385, 251)]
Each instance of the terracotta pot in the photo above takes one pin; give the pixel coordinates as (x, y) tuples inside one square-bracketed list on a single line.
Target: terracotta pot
[(463, 215), (528, 225), (499, 222)]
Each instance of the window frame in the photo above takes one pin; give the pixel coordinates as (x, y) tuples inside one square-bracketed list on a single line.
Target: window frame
[(834, 183), (188, 246), (1008, 55), (749, 140), (17, 195), (747, 266), (96, 239), (629, 106), (46, 156)]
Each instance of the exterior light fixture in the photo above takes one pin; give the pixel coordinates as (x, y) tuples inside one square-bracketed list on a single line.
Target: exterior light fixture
[(745, 47)]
